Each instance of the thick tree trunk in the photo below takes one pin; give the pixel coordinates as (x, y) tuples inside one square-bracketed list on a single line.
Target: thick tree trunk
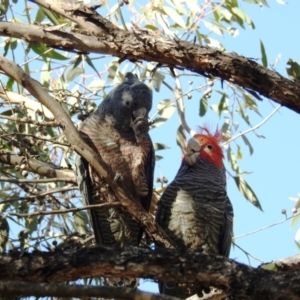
[(234, 278), (60, 290)]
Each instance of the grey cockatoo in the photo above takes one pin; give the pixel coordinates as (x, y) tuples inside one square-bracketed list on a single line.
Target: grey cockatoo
[(118, 131), (195, 210)]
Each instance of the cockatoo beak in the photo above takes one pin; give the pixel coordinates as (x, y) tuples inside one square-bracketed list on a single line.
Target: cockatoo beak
[(192, 151), (139, 113)]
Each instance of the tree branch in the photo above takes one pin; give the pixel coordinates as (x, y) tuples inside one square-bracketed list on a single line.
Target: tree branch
[(36, 195), (71, 133), (36, 166), (268, 226), (180, 105), (29, 121), (286, 264), (64, 211), (254, 127), (141, 45), (64, 290), (14, 98), (169, 265), (32, 180)]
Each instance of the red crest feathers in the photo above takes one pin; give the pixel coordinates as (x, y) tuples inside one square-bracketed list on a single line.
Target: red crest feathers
[(205, 130), (214, 154)]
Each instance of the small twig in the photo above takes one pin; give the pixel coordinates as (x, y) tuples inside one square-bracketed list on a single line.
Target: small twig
[(25, 102), (35, 137), (178, 98), (43, 194), (253, 128), (65, 211), (266, 227), (29, 121), (180, 105), (44, 180), (247, 253), (36, 57), (36, 166)]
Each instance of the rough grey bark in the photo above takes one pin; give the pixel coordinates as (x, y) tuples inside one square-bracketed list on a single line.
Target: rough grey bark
[(240, 280), (286, 264), (65, 290), (142, 45)]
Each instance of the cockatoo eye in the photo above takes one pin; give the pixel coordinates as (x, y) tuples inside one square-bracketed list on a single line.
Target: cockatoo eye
[(209, 147)]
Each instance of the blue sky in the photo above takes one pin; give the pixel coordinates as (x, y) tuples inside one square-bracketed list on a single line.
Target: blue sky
[(275, 162)]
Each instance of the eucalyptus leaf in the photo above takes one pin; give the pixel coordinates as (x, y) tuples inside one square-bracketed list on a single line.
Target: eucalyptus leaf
[(173, 14), (247, 191)]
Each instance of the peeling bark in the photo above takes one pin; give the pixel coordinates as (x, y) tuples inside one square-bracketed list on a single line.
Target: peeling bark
[(237, 279), (141, 45)]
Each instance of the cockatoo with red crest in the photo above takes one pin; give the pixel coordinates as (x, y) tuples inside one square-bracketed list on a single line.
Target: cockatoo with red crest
[(195, 210)]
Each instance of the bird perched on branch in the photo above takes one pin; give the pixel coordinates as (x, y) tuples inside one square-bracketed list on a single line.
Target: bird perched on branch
[(118, 131), (195, 210)]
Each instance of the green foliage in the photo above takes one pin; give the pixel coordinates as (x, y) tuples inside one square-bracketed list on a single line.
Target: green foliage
[(295, 220), (294, 70), (79, 82), (157, 80), (203, 106), (247, 142), (73, 73), (181, 138), (160, 146), (165, 109), (263, 55), (240, 182), (247, 191), (269, 267), (45, 52)]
